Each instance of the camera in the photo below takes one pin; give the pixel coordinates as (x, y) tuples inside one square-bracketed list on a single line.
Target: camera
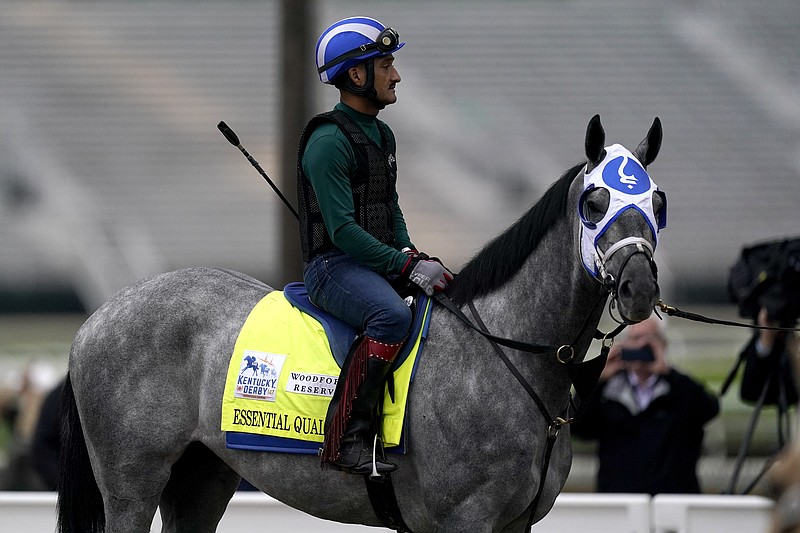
[(767, 275), (644, 354)]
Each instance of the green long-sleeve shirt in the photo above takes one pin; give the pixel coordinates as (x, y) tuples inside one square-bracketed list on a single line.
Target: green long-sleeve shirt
[(328, 161)]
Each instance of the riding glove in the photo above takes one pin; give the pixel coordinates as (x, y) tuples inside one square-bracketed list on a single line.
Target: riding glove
[(414, 254), (429, 274)]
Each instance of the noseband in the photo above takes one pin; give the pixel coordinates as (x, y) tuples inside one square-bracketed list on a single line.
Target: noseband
[(609, 282), (643, 246)]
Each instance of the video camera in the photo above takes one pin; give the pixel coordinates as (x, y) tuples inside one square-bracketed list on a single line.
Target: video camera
[(768, 275)]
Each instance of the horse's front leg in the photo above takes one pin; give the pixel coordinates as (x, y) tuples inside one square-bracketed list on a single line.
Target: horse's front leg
[(476, 515)]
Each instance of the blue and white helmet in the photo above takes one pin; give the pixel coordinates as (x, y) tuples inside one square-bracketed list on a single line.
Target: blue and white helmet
[(349, 42)]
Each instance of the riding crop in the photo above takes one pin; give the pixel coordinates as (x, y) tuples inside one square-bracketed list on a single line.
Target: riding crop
[(234, 140)]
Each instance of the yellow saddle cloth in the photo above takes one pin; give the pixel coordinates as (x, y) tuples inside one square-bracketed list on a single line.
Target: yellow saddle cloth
[(282, 376)]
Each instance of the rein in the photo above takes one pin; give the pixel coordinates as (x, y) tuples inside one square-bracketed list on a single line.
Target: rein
[(448, 304), (674, 311), (584, 376)]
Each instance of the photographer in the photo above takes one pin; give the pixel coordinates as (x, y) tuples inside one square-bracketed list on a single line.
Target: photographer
[(765, 283), (647, 417), (768, 374)]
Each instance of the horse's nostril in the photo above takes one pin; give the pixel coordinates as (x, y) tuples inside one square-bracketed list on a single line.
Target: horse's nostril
[(625, 289)]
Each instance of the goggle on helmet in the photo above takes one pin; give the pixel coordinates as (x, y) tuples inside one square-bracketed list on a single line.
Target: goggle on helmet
[(349, 42)]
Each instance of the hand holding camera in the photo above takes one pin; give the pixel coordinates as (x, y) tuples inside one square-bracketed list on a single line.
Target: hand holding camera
[(648, 354), (766, 337)]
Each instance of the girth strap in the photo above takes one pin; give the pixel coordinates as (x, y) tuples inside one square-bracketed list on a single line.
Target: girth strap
[(384, 502)]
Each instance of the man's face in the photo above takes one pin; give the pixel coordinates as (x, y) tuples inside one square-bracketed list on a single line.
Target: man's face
[(642, 369), (386, 78), (640, 335)]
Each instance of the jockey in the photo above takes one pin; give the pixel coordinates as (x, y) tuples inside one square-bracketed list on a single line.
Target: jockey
[(352, 231)]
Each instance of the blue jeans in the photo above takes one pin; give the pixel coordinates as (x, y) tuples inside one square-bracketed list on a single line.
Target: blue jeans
[(357, 295)]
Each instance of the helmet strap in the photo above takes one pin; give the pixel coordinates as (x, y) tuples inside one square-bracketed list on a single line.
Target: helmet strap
[(368, 89)]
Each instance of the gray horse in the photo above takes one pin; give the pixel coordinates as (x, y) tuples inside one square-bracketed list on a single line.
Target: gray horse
[(147, 372)]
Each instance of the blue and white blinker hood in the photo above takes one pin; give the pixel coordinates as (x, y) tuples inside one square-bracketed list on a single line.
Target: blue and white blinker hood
[(630, 187)]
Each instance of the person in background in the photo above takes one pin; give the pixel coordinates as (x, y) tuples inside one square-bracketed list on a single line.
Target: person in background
[(352, 231), (46, 444), (768, 363), (21, 402), (647, 418)]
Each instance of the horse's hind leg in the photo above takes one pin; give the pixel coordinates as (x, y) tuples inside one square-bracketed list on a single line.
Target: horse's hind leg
[(124, 515), (198, 491)]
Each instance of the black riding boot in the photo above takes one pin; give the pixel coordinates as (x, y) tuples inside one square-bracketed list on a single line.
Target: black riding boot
[(349, 441)]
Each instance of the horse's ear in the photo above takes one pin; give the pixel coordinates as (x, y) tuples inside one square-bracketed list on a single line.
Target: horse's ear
[(595, 140), (648, 149)]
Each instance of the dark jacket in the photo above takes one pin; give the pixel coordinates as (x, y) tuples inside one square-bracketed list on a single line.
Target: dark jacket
[(652, 451)]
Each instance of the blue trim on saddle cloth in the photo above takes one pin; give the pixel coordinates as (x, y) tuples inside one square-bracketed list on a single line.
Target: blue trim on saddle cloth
[(268, 443), (339, 333)]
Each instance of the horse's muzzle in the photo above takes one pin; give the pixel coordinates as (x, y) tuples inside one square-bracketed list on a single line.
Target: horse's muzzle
[(637, 290)]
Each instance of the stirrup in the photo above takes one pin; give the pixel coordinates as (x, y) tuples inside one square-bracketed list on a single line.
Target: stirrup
[(365, 462), (375, 474)]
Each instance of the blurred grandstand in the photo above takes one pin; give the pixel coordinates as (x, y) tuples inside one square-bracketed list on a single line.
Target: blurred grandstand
[(111, 167)]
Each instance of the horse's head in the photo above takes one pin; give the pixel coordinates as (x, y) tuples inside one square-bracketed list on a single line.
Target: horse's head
[(621, 211)]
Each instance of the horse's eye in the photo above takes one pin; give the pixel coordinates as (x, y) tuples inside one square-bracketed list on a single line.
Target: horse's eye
[(595, 205)]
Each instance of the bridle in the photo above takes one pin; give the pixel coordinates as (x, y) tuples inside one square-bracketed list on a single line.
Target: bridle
[(643, 246), (628, 187), (610, 283)]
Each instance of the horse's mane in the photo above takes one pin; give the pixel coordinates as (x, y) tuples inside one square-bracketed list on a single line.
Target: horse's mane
[(502, 257)]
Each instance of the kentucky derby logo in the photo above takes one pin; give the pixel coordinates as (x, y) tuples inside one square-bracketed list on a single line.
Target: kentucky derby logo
[(258, 375), (630, 179)]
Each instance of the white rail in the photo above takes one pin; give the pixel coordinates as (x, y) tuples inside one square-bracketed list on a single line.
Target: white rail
[(599, 513)]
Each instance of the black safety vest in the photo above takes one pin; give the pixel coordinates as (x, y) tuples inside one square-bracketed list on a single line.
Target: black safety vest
[(373, 184)]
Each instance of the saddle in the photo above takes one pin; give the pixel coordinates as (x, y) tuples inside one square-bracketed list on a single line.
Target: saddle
[(304, 349), (340, 334)]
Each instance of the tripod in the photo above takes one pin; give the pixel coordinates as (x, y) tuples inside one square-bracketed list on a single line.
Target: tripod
[(773, 388)]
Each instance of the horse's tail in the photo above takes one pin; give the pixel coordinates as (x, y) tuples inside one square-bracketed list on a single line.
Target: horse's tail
[(80, 504)]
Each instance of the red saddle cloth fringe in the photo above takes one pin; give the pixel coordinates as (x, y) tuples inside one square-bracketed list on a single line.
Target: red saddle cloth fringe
[(356, 373)]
